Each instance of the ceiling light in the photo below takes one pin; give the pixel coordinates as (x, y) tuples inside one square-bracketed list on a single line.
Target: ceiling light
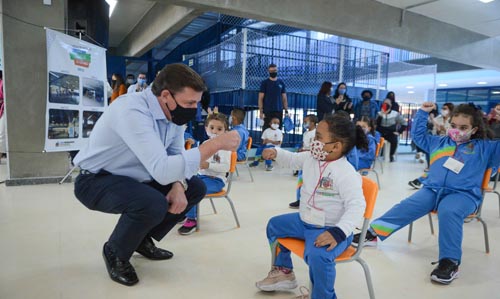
[(112, 4), (409, 87), (411, 91), (482, 83), (486, 1), (495, 92), (442, 85)]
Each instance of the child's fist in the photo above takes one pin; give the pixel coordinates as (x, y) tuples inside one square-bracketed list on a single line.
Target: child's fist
[(269, 154), (428, 106)]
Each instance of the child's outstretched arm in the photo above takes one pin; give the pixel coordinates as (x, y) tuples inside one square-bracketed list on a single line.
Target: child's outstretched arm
[(419, 132), (284, 158)]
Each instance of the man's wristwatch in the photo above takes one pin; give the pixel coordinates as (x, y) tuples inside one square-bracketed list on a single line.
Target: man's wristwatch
[(184, 184)]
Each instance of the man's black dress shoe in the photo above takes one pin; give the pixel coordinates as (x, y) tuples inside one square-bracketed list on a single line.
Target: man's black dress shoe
[(148, 249), (119, 271)]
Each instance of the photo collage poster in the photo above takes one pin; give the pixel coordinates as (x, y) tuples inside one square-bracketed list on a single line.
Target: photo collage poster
[(76, 93)]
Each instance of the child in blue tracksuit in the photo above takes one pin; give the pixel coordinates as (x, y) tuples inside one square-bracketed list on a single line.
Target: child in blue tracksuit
[(366, 157), (453, 186), (236, 120), (213, 171), (332, 205)]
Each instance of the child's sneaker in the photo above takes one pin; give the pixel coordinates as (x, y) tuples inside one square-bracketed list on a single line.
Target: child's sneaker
[(254, 163), (415, 184), (295, 204), (370, 240), (181, 221), (188, 227), (269, 167), (277, 280), (445, 272), (304, 293)]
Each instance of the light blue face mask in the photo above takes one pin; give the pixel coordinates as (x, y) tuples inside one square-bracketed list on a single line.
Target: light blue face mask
[(342, 91), (141, 81), (306, 126)]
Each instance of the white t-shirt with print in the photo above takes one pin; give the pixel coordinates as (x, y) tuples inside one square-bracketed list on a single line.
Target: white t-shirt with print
[(274, 135), (308, 139), (338, 191)]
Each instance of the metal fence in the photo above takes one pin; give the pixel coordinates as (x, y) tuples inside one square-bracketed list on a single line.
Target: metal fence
[(241, 62)]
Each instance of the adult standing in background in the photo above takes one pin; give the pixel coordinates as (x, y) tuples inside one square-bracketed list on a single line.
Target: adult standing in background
[(366, 107), (324, 100), (272, 98), (390, 124), (130, 80), (394, 105), (342, 101), (135, 165), (140, 85), (118, 86)]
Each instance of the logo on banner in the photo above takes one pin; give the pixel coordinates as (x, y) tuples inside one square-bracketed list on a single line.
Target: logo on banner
[(81, 57)]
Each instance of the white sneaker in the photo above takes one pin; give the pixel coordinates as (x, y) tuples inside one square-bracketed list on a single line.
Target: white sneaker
[(277, 280)]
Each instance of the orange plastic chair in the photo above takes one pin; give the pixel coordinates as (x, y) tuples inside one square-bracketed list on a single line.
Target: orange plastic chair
[(297, 246), (476, 215), (372, 168), (378, 157), (245, 162), (493, 189), (222, 194), (187, 145)]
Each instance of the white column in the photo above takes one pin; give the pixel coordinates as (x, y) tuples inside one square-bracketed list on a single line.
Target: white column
[(244, 60)]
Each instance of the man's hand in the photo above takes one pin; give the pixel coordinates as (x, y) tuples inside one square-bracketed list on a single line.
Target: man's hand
[(229, 141), (269, 154), (176, 199), (325, 239), (428, 106), (190, 141)]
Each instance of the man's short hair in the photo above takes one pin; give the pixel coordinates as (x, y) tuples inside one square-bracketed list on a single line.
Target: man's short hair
[(367, 91), (238, 114), (272, 65), (175, 77)]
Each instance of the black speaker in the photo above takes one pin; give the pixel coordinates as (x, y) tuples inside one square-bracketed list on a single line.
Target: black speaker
[(91, 19)]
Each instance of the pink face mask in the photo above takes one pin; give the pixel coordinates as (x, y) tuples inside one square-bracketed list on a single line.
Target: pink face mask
[(459, 136)]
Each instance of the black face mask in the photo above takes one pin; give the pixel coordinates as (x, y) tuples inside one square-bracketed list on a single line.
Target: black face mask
[(181, 115), (366, 98), (273, 75)]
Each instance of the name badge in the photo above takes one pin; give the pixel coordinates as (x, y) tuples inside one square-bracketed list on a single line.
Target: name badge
[(315, 216), (453, 165)]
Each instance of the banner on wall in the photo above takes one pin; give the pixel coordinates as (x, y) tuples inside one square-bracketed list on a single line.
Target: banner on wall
[(76, 93)]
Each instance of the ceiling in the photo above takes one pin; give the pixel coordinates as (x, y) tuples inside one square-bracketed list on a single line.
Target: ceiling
[(126, 15), (473, 15)]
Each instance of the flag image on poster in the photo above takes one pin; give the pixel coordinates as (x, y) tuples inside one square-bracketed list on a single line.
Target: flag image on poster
[(76, 98)]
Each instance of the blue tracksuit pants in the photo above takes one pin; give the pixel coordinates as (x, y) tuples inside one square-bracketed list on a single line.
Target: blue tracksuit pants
[(452, 208), (258, 152), (321, 262), (213, 185)]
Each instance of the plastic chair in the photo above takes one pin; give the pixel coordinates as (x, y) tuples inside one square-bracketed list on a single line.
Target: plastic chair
[(222, 194), (493, 189), (245, 162), (378, 157), (297, 246), (372, 168), (187, 145), (476, 215)]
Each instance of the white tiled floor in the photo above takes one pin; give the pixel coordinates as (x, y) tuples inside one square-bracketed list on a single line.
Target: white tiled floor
[(51, 248)]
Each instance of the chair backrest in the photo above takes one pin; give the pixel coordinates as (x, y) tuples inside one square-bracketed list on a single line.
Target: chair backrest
[(370, 191), (187, 145), (486, 179), (249, 143), (377, 150), (382, 140), (232, 169)]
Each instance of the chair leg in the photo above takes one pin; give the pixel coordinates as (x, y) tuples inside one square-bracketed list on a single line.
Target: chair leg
[(486, 239), (368, 276), (250, 172), (498, 194), (410, 231), (213, 206), (376, 175), (274, 247), (431, 224), (237, 173), (234, 211)]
